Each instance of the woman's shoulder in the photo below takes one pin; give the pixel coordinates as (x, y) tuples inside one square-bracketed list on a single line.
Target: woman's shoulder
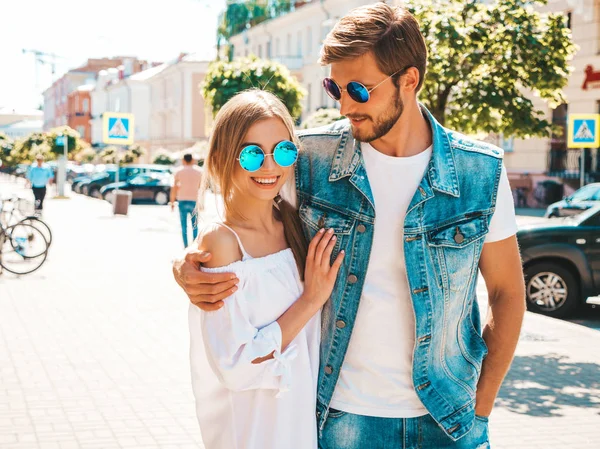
[(221, 243)]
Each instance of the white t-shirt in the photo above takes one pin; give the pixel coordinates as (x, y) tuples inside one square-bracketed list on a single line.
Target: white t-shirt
[(376, 376)]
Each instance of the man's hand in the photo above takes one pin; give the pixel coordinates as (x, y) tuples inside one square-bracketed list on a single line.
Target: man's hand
[(205, 290), (172, 206)]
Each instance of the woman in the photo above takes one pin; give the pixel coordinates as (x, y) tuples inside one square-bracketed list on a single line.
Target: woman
[(255, 360)]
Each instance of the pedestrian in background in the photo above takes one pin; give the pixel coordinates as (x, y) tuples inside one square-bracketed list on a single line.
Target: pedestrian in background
[(39, 176), (185, 192)]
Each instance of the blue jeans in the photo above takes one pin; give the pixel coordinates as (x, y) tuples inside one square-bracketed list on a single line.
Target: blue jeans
[(188, 208), (348, 431)]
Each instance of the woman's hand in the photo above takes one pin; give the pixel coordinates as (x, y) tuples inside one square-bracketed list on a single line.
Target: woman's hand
[(320, 274)]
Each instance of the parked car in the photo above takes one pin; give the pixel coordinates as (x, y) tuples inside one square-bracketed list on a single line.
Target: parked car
[(561, 261), (93, 185), (583, 199), (144, 187)]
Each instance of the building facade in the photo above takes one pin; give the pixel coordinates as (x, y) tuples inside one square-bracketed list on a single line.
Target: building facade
[(295, 40), (79, 111), (179, 117), (537, 161), (56, 97)]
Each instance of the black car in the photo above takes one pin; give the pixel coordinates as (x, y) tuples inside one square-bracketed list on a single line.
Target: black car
[(561, 261), (144, 187)]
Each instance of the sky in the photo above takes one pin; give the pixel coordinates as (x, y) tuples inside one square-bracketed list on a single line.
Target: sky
[(79, 29)]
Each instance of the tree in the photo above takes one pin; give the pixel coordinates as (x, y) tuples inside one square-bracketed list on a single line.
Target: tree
[(226, 78), (86, 156), (25, 150), (486, 59), (163, 158), (322, 117), (6, 146), (74, 145), (240, 15), (108, 155)]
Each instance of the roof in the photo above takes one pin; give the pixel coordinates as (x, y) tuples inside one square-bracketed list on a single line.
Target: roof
[(24, 124), (86, 88), (148, 73), (12, 111)]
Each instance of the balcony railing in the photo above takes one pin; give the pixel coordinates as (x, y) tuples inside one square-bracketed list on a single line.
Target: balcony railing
[(566, 164)]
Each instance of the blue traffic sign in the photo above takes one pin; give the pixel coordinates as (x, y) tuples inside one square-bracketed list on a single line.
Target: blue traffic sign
[(118, 128), (60, 141), (584, 130)]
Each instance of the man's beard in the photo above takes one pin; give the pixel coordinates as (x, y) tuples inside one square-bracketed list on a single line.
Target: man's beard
[(383, 124)]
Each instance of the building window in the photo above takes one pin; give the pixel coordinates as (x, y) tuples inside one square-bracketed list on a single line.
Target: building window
[(309, 41), (269, 55), (299, 45), (309, 98), (277, 49), (288, 47), (558, 142), (86, 106), (81, 131), (569, 20), (260, 51)]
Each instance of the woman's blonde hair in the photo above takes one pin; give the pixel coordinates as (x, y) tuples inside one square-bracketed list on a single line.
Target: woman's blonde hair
[(229, 130)]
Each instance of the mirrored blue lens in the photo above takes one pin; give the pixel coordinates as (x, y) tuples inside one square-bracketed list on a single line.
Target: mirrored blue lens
[(252, 158), (285, 153), (332, 89), (358, 92)]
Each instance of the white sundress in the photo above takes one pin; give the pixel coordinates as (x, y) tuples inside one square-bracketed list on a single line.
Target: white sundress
[(241, 405)]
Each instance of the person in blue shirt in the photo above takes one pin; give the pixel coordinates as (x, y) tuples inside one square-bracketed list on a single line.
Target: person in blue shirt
[(39, 176)]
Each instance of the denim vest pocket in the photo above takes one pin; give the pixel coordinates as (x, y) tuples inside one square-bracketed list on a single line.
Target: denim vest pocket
[(455, 250)]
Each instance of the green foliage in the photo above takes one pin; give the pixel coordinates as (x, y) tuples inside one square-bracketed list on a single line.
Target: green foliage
[(108, 155), (25, 151), (163, 158), (6, 146), (240, 14), (321, 117), (130, 155), (86, 156), (74, 145), (485, 60), (226, 78)]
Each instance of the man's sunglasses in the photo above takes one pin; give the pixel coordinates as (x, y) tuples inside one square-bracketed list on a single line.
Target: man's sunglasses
[(357, 91), (252, 157)]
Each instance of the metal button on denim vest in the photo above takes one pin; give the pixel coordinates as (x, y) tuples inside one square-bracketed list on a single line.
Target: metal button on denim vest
[(444, 232)]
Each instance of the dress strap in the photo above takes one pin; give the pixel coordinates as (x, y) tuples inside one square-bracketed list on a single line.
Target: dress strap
[(245, 255)]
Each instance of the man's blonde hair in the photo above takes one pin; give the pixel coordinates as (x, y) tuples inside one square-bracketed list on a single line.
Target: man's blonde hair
[(391, 33)]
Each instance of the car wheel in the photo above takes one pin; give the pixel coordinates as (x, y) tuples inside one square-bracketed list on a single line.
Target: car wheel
[(551, 290), (161, 198), (554, 214), (85, 190), (95, 193)]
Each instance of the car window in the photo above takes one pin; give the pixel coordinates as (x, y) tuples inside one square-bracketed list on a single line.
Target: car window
[(585, 193), (139, 180)]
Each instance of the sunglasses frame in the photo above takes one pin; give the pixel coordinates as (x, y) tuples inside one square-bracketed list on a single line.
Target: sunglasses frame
[(272, 154), (342, 90)]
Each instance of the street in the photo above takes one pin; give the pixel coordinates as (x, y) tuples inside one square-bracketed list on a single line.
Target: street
[(94, 346)]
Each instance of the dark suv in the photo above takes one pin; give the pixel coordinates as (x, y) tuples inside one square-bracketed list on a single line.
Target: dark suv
[(561, 260)]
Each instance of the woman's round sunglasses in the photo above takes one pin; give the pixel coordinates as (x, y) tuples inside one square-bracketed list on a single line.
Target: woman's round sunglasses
[(357, 91), (252, 157)]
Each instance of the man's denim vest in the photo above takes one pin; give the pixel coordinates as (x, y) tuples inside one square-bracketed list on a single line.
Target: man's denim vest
[(444, 231)]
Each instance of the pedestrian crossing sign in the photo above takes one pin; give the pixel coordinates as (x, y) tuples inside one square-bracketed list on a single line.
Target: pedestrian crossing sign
[(584, 130), (117, 128)]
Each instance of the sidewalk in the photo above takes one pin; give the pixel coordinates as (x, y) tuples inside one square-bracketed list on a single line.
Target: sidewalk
[(94, 347)]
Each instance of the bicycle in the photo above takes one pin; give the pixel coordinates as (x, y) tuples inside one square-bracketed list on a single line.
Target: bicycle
[(23, 211), (23, 247)]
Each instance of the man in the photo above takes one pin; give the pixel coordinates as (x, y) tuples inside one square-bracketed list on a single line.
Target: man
[(418, 209), (186, 192), (39, 176)]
